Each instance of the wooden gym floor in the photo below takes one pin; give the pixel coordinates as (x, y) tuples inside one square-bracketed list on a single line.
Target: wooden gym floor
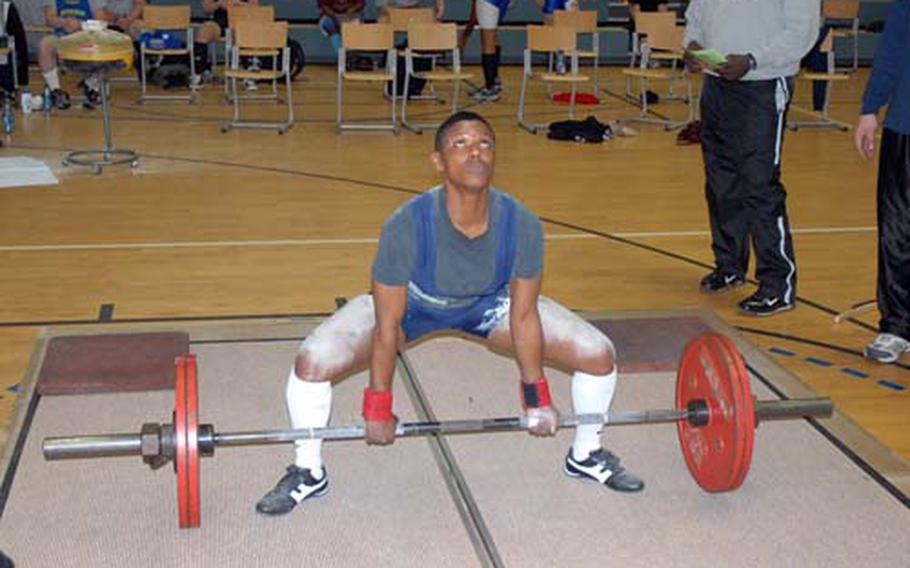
[(250, 223)]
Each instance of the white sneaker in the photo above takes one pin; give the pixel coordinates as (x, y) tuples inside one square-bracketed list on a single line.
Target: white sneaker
[(887, 348)]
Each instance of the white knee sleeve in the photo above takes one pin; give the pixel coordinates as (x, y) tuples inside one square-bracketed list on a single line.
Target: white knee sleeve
[(591, 394), (309, 405)]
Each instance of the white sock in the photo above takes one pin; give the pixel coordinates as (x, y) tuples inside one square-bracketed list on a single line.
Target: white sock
[(309, 405), (591, 394), (52, 79)]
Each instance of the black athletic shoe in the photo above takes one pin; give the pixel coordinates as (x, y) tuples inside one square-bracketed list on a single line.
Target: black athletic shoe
[(60, 99), (295, 486), (762, 304), (603, 467), (92, 98), (718, 282)]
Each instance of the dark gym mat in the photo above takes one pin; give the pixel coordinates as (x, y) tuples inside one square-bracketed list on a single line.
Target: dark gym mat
[(111, 363)]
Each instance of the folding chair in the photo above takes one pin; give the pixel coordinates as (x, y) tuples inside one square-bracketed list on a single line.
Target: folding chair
[(433, 38), (246, 13), (844, 11), (400, 19), (550, 40), (585, 23), (666, 39), (356, 36), (167, 18), (644, 23), (266, 39), (822, 120)]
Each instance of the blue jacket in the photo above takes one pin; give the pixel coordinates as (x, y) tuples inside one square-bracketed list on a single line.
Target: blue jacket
[(890, 80)]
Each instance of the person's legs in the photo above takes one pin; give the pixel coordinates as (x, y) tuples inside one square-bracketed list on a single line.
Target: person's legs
[(135, 29), (468, 28), (817, 62), (337, 347), (762, 125), (572, 342), (723, 191), (893, 291), (207, 33), (488, 21), (47, 62)]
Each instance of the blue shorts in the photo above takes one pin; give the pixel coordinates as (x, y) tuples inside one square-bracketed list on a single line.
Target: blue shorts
[(479, 318), (550, 6)]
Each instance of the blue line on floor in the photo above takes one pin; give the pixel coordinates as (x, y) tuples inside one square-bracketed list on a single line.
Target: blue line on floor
[(820, 362), (855, 373), (14, 388), (892, 386), (846, 370)]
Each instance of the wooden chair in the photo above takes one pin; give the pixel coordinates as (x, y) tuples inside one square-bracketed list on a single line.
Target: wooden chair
[(822, 119), (400, 19), (644, 23), (252, 37), (435, 39), (174, 19), (666, 39), (247, 13), (356, 36), (584, 22), (844, 11), (549, 40)]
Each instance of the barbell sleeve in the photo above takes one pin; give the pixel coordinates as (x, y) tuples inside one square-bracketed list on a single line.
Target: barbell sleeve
[(94, 446)]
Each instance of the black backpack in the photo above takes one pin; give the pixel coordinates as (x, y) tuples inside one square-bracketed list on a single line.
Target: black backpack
[(587, 130)]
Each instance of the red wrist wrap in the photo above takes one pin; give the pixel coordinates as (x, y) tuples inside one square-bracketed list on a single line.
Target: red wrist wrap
[(535, 395), (377, 405)]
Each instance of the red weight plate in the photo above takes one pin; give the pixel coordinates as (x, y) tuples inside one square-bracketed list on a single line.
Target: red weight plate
[(192, 443), (745, 405), (719, 453), (180, 459)]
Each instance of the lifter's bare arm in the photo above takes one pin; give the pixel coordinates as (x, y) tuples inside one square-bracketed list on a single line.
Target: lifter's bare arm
[(527, 342), (390, 303)]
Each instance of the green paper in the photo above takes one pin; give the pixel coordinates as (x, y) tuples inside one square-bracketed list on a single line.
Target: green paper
[(710, 56)]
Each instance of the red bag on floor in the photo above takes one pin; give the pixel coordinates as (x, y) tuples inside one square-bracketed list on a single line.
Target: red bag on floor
[(580, 98)]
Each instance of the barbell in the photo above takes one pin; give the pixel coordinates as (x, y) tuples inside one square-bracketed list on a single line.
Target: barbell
[(716, 416)]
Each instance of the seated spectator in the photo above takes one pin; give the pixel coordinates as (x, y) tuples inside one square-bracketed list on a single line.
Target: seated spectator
[(333, 13), (66, 17), (211, 31), (126, 16)]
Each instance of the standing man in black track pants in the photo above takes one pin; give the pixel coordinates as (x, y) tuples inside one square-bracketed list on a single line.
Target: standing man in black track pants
[(889, 84), (743, 109)]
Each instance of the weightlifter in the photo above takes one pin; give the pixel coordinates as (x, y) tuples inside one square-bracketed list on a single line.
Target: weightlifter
[(461, 256)]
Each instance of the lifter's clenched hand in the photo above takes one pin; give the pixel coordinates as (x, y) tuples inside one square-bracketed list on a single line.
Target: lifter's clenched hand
[(381, 433), (542, 421)]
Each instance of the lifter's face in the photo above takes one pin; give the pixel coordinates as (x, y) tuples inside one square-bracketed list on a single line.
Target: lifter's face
[(467, 156)]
